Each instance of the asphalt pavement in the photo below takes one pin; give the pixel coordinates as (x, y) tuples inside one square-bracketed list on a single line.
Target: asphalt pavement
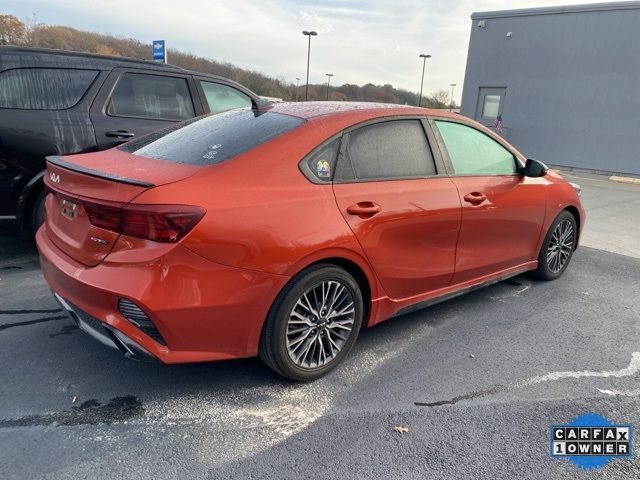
[(477, 381)]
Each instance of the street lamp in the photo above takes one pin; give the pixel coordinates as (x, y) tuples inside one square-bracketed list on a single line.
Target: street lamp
[(308, 34), (297, 87), (424, 61), (329, 75), (452, 85)]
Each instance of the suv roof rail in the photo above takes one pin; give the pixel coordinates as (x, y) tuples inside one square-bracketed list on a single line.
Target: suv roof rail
[(74, 53)]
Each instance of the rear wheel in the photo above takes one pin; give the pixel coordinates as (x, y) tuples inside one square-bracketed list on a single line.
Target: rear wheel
[(313, 323), (37, 212), (557, 248)]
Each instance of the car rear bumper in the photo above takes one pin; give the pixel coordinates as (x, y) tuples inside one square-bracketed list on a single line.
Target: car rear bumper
[(103, 332), (202, 310)]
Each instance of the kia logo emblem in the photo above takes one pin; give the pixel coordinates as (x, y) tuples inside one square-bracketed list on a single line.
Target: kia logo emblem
[(55, 178)]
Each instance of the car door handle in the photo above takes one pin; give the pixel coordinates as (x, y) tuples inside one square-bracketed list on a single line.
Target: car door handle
[(475, 197), (364, 209), (120, 134)]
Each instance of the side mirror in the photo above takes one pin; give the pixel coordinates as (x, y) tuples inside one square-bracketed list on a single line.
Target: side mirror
[(535, 168)]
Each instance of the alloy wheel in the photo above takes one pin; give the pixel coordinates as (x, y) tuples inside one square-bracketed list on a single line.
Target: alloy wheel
[(560, 246), (320, 324)]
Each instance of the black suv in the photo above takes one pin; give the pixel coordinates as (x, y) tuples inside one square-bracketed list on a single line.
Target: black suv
[(54, 102)]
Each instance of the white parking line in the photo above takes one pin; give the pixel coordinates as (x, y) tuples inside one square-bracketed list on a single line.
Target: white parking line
[(631, 369)]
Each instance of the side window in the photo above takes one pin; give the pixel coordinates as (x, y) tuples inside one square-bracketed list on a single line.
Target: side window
[(44, 88), (393, 149), (473, 152), (222, 97), (151, 96), (320, 164)]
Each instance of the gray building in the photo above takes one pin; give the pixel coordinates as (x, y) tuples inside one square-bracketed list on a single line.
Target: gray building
[(565, 81)]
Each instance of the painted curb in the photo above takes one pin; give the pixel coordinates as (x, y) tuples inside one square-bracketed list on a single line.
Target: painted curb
[(630, 180)]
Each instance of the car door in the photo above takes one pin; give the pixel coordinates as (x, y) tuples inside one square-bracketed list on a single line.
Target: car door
[(135, 102), (502, 214), (403, 210), (218, 97)]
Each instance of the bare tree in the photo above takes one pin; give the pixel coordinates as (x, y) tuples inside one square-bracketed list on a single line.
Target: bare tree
[(440, 99)]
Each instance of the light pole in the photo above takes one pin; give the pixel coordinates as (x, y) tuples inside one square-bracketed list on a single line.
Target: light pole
[(424, 62), (297, 87), (452, 85), (329, 75), (308, 34)]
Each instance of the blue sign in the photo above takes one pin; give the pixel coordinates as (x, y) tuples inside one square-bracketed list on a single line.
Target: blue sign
[(158, 50), (590, 441)]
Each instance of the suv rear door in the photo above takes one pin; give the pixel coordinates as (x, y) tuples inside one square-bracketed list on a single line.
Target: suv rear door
[(135, 102)]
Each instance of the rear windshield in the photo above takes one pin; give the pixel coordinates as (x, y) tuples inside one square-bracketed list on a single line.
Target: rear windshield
[(214, 138), (44, 88)]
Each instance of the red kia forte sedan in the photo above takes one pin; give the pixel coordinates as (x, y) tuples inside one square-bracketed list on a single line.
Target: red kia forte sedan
[(281, 231)]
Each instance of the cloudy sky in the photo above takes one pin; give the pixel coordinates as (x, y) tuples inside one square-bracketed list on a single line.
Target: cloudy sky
[(359, 41)]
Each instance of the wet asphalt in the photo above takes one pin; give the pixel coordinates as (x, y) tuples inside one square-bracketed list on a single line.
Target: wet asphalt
[(477, 381)]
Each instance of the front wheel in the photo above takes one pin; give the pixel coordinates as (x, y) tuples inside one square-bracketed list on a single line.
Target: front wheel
[(313, 323), (557, 247)]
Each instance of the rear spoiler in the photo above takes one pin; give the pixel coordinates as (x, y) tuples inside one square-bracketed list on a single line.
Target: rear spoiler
[(57, 160)]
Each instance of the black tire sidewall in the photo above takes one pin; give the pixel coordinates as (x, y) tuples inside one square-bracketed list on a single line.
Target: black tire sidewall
[(275, 330), (543, 270), (37, 212)]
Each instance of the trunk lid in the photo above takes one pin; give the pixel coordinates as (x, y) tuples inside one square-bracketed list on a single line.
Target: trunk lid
[(98, 185)]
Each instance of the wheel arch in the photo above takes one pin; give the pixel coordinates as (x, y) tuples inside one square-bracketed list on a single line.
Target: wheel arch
[(29, 195), (354, 264), (576, 215), (360, 277)]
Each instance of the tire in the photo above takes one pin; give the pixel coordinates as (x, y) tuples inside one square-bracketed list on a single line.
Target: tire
[(37, 212), (561, 239), (325, 337)]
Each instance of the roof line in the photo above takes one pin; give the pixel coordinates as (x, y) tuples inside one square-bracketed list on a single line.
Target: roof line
[(75, 53), (583, 8)]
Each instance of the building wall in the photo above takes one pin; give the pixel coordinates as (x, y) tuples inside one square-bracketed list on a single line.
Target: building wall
[(573, 83)]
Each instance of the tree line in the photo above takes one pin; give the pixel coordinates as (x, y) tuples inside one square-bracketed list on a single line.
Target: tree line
[(34, 34)]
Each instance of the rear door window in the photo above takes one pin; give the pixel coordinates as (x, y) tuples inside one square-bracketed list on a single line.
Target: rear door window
[(221, 97), (389, 150), (214, 138), (44, 88), (157, 97)]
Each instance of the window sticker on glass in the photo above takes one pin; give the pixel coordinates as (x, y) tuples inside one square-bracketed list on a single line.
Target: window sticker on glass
[(319, 165), (323, 169), (211, 152)]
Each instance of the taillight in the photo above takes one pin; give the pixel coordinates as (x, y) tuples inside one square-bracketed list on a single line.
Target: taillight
[(103, 216), (162, 223)]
